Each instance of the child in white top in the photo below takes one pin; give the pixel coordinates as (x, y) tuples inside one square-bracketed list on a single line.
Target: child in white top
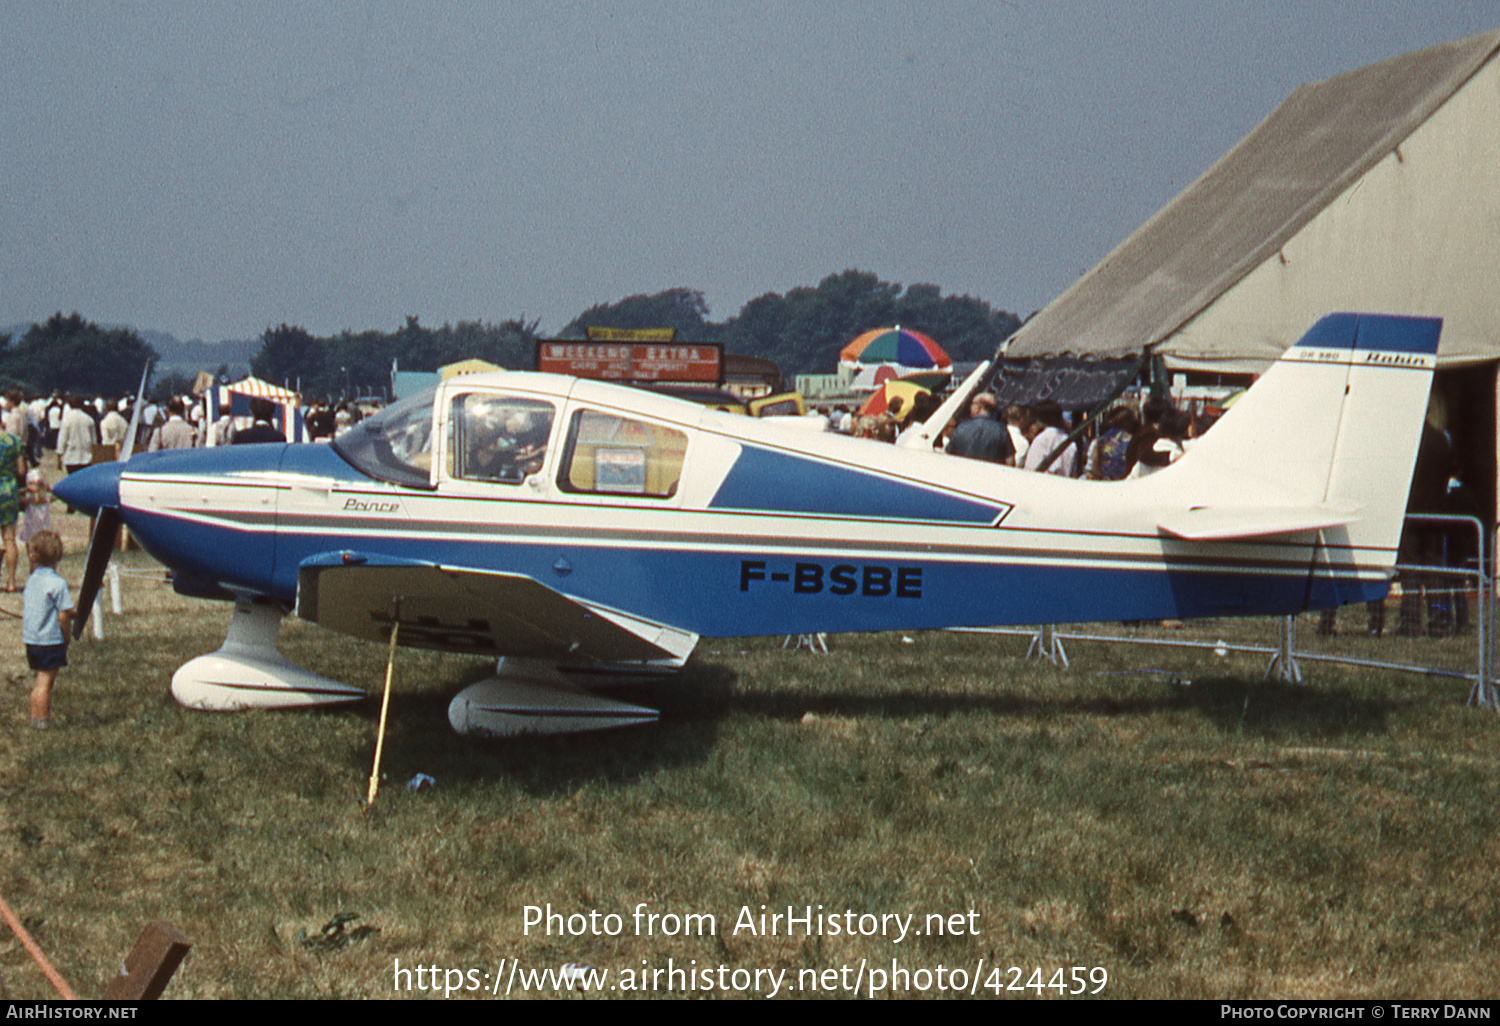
[(36, 506)]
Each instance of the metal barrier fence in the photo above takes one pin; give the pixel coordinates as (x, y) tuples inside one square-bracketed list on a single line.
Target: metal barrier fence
[(1453, 601)]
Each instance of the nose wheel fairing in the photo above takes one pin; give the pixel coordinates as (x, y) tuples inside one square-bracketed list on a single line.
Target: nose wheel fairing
[(247, 672)]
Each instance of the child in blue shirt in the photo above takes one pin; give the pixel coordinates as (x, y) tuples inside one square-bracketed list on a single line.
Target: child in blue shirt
[(46, 620)]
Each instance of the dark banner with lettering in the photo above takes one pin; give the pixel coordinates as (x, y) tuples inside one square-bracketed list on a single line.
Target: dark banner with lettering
[(697, 362)]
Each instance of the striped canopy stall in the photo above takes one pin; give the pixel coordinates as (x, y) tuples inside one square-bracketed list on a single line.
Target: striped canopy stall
[(235, 400)]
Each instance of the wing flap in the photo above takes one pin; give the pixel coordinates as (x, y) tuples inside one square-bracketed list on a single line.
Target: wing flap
[(1227, 523), (484, 612)]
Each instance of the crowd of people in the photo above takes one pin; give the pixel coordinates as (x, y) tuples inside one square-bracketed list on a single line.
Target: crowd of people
[(1123, 443), (73, 425)]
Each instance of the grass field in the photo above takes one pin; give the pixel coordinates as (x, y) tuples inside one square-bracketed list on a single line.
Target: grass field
[(1167, 817)]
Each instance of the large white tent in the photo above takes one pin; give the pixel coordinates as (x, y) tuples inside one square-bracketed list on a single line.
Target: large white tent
[(1375, 191), (1378, 190)]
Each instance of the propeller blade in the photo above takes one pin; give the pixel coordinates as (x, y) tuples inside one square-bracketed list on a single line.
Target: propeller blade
[(106, 526), (135, 415), (106, 529)]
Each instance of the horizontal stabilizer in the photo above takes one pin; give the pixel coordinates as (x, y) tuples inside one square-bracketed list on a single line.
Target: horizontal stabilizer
[(1221, 523)]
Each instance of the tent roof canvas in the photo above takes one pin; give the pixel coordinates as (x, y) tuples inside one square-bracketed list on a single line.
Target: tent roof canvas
[(1241, 213), (257, 387)]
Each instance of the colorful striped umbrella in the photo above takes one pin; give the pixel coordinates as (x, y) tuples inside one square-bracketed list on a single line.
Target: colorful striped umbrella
[(895, 345)]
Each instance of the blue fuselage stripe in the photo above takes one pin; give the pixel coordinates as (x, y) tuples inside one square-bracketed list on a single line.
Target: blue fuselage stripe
[(763, 480)]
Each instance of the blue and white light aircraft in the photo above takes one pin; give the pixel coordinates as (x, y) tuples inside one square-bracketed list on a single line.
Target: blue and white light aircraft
[(549, 520)]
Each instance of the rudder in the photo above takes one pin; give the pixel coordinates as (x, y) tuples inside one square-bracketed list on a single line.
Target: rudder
[(1333, 426)]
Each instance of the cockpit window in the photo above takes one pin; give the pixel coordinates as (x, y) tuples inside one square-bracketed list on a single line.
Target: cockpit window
[(500, 438), (395, 444), (608, 454)]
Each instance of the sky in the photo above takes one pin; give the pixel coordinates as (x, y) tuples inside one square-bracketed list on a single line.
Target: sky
[(214, 169)]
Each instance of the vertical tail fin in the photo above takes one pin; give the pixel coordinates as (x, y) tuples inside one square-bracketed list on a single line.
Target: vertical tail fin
[(1326, 440)]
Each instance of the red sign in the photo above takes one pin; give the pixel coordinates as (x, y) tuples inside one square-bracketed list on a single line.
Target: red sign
[(633, 361)]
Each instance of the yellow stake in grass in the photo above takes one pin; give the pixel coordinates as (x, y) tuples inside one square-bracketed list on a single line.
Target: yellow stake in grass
[(385, 703)]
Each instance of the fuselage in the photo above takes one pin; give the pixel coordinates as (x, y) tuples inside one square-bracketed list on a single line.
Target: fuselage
[(717, 524)]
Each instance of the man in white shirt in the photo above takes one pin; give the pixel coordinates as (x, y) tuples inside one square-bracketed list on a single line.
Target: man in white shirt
[(76, 435), (114, 427), (54, 421), (176, 433)]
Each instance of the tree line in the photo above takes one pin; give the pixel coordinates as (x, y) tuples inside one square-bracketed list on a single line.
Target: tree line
[(360, 363), (70, 354), (801, 331)]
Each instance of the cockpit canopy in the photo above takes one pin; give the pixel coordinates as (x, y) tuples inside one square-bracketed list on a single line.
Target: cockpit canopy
[(395, 444), (495, 435)]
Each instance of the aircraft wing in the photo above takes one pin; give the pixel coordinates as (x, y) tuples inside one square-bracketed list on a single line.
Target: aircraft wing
[(465, 610), (1227, 523)]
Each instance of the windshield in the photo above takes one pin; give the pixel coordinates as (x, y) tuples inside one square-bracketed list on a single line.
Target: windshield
[(395, 445)]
